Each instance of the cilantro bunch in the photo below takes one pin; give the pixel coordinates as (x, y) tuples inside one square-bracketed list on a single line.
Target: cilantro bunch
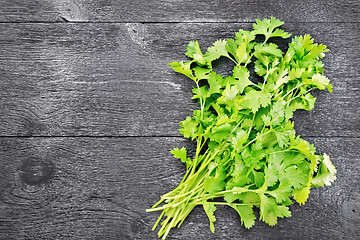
[(247, 154)]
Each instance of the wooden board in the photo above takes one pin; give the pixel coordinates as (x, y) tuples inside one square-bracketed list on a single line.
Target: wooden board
[(89, 110), (99, 188), (177, 11), (113, 79)]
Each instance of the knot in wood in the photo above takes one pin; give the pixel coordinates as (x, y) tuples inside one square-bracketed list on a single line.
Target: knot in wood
[(36, 171)]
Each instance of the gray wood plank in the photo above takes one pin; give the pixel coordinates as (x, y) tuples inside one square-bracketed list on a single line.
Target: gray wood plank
[(177, 11), (99, 188), (113, 79)]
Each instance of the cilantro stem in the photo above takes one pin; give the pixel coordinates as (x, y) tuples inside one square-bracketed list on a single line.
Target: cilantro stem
[(171, 225), (252, 124), (233, 60), (248, 60), (201, 100), (255, 139), (158, 220), (240, 204), (287, 150), (287, 102), (290, 91), (266, 76)]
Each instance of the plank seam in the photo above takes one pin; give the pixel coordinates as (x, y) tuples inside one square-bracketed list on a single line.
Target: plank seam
[(151, 136), (65, 21)]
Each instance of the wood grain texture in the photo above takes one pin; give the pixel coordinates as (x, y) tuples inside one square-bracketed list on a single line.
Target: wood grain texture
[(99, 188), (113, 79), (177, 11)]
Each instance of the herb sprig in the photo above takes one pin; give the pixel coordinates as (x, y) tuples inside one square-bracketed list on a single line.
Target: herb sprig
[(247, 152)]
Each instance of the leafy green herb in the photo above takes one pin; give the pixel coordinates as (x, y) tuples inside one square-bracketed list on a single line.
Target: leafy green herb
[(247, 151)]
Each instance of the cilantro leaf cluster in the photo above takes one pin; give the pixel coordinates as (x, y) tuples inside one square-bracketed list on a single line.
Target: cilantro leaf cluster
[(248, 153)]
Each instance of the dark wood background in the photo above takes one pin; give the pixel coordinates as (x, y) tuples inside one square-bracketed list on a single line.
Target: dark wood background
[(89, 110)]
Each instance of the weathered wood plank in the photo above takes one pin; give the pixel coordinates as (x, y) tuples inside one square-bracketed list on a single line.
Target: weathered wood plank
[(99, 188), (113, 79), (178, 11)]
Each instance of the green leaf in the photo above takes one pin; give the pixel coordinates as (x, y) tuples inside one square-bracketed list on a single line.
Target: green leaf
[(179, 153), (244, 36), (280, 33), (188, 127), (242, 74), (264, 98), (183, 68), (215, 83), (231, 46), (326, 173), (266, 27), (241, 53), (321, 82), (296, 73), (239, 139), (301, 195), (268, 49), (209, 209), (259, 178), (193, 51), (270, 211), (282, 139), (282, 192), (281, 77), (213, 184), (220, 133), (304, 147), (255, 99), (228, 95), (202, 73), (216, 51), (200, 93), (246, 214), (221, 119)]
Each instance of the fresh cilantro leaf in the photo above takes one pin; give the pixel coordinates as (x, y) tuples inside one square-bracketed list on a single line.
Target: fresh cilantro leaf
[(266, 27), (194, 51), (202, 73), (209, 209), (213, 184), (268, 49), (215, 82), (270, 211), (231, 46), (326, 173), (188, 127), (242, 75), (179, 153), (183, 68), (301, 195), (228, 95), (255, 99), (216, 51), (282, 192), (241, 53), (246, 214), (321, 82), (244, 36)]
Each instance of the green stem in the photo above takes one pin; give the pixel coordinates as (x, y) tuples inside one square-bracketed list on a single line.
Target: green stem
[(266, 76), (255, 139), (290, 91), (287, 102), (201, 101), (233, 60)]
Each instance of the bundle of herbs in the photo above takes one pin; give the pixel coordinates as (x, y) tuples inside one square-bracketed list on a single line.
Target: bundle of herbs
[(247, 152)]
